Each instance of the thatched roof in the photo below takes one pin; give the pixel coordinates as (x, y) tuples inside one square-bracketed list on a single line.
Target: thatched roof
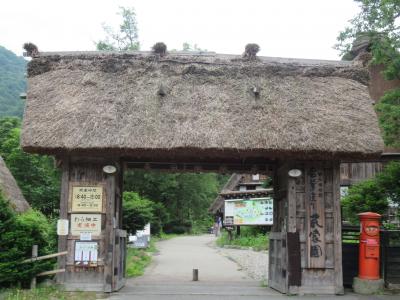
[(229, 185), (10, 189), (186, 105)]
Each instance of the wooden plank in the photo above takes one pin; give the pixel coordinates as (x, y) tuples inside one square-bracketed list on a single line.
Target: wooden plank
[(45, 257), (315, 217), (109, 281), (62, 239), (51, 272), (291, 198), (337, 230), (294, 259)]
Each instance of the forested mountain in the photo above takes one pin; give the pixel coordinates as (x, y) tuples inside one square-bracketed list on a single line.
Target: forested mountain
[(12, 83)]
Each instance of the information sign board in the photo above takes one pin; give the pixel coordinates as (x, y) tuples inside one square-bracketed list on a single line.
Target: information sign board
[(254, 211), (86, 253), (85, 223), (87, 198)]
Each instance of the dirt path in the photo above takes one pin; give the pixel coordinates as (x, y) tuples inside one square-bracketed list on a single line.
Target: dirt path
[(170, 274)]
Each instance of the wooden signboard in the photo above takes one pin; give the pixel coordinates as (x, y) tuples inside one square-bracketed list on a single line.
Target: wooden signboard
[(316, 218), (90, 223), (86, 198)]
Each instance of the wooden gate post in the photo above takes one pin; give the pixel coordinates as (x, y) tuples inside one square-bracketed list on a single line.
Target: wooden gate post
[(91, 199), (306, 252)]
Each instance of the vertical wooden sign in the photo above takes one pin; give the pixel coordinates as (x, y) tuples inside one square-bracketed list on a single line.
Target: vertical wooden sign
[(315, 217)]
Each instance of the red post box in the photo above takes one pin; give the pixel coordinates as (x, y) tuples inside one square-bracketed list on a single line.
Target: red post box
[(369, 246)]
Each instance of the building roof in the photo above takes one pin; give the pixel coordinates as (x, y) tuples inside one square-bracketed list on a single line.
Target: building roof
[(219, 201), (10, 189), (138, 104)]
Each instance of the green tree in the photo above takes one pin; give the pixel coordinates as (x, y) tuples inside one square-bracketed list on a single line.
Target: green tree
[(126, 38), (36, 175), (12, 83), (186, 196), (362, 197), (373, 194), (388, 109), (137, 212), (378, 22), (18, 232)]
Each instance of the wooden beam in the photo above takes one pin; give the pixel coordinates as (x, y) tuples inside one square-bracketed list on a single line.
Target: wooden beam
[(44, 257), (51, 272), (203, 167)]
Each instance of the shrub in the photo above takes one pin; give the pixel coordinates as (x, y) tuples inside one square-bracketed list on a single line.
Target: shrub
[(362, 197), (18, 232), (137, 212)]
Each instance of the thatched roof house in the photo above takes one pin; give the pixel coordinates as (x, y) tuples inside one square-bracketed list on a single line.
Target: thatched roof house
[(240, 186), (141, 105), (10, 189)]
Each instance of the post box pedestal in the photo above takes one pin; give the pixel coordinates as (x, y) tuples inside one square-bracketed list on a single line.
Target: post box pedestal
[(367, 286)]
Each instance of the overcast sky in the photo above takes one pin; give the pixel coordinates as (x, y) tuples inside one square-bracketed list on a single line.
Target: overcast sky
[(283, 28)]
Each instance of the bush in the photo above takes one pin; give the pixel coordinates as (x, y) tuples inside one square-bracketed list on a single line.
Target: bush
[(137, 212), (18, 233), (373, 194), (363, 197), (249, 237), (389, 117)]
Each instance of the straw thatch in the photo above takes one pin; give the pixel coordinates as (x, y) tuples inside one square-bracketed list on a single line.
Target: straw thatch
[(229, 185), (10, 189), (210, 106)]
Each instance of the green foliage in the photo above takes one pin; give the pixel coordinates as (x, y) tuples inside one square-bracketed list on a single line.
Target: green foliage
[(363, 197), (12, 83), (185, 196), (137, 212), (136, 262), (389, 180), (126, 38), (36, 175), (45, 293), (17, 235), (374, 194), (377, 20), (249, 237), (389, 117), (160, 217)]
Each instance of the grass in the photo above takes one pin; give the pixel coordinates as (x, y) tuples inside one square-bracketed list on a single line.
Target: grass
[(257, 241), (44, 293), (138, 259)]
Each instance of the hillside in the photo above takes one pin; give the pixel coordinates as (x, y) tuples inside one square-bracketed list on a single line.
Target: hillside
[(12, 83)]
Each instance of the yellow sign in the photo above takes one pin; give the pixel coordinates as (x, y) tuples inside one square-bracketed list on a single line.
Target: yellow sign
[(87, 198), (88, 223)]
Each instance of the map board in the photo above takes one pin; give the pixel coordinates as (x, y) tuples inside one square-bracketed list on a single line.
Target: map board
[(254, 211)]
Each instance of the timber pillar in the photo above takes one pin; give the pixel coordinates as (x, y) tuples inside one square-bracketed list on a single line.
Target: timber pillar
[(91, 202), (305, 242)]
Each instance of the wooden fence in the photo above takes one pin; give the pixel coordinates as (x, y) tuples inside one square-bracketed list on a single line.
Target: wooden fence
[(35, 257), (390, 255)]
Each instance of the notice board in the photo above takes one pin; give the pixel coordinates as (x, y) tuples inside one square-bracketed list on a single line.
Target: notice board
[(253, 211)]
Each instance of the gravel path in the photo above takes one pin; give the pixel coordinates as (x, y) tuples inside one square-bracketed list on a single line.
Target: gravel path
[(254, 263)]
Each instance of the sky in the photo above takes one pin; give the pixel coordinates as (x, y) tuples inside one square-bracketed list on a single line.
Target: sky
[(282, 28)]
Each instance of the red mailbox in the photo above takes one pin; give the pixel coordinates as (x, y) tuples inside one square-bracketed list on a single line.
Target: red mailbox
[(369, 245)]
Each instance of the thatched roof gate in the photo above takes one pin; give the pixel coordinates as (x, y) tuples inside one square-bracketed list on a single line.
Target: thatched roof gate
[(272, 115), (184, 106)]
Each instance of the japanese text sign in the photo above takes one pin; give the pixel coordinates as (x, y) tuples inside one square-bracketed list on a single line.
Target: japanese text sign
[(87, 198), (85, 223)]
